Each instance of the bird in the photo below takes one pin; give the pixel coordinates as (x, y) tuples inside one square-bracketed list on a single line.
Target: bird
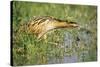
[(40, 25)]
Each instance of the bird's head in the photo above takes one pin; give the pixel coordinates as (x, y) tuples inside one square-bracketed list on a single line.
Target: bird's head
[(65, 24)]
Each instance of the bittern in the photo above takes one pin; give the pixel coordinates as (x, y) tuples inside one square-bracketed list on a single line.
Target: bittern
[(43, 24)]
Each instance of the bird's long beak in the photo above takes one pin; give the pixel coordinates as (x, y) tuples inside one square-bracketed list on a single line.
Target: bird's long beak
[(74, 26)]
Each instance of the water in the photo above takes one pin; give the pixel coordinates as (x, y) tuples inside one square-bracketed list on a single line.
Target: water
[(65, 59), (76, 48)]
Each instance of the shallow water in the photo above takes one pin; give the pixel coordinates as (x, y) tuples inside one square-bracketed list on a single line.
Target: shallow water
[(76, 48)]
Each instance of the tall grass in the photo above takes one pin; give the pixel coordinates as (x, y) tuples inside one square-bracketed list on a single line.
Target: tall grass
[(27, 49)]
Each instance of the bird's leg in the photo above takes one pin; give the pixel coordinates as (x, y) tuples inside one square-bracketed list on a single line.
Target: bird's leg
[(45, 38), (41, 34)]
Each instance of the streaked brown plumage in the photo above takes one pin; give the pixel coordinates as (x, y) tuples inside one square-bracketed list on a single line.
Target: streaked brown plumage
[(43, 24)]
